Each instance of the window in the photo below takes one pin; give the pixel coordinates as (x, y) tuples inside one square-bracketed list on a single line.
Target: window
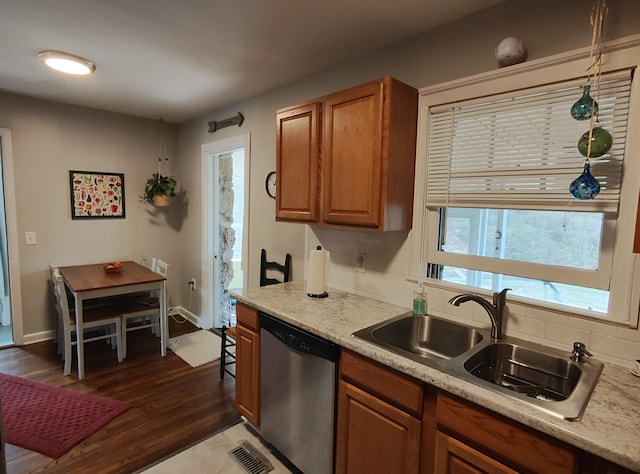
[(546, 238), (498, 157)]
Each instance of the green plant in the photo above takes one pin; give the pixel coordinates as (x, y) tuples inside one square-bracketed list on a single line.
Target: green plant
[(158, 184)]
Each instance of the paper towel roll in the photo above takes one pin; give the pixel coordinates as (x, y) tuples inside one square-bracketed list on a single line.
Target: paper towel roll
[(317, 273)]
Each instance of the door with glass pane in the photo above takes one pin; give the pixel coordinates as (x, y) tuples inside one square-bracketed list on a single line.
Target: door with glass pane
[(225, 173), (228, 233), (6, 333)]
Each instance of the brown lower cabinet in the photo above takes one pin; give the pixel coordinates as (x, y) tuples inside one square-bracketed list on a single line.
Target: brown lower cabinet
[(476, 436), (379, 419), (248, 363), (377, 437), (388, 422)]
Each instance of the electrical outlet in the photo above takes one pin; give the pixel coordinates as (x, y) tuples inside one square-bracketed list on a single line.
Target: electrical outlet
[(30, 238), (361, 263), (192, 283)]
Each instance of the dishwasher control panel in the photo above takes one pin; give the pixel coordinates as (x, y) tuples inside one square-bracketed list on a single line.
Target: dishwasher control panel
[(299, 339), (291, 340)]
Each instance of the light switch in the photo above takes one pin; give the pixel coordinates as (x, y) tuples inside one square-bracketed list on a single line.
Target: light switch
[(30, 238)]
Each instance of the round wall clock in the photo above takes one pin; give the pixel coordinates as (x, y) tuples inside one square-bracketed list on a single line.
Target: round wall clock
[(270, 184)]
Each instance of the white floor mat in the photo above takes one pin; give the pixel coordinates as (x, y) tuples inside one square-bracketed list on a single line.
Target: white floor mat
[(210, 455), (197, 348)]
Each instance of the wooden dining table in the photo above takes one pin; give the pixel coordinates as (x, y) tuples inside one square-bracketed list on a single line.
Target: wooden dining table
[(88, 282)]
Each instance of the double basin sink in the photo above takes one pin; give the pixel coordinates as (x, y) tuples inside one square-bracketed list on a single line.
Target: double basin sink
[(543, 377)]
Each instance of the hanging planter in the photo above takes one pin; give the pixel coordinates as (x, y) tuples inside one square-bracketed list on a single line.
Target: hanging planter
[(161, 201), (159, 189)]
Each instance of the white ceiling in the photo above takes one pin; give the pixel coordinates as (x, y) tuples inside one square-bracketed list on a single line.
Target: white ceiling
[(181, 59)]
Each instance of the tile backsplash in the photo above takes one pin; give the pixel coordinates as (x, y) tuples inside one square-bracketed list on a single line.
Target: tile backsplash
[(385, 278)]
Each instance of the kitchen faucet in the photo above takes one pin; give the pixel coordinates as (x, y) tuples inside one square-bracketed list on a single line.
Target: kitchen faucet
[(495, 310)]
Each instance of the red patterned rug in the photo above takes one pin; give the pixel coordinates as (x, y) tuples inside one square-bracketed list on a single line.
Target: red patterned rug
[(51, 420)]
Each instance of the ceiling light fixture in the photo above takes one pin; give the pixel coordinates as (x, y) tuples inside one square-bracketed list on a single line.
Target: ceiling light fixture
[(67, 63)]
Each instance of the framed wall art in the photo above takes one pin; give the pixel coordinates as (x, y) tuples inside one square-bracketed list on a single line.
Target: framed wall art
[(96, 195)]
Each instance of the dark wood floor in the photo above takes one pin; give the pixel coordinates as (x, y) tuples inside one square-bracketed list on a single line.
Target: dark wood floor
[(174, 405)]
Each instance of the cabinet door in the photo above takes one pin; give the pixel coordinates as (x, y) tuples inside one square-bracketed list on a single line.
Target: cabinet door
[(455, 457), (513, 444), (373, 436), (248, 374), (352, 156), (297, 164)]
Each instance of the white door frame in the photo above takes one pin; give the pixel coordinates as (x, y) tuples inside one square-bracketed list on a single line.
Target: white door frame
[(12, 236), (210, 221)]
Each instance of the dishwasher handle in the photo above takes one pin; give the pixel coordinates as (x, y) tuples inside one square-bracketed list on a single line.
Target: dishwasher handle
[(298, 339)]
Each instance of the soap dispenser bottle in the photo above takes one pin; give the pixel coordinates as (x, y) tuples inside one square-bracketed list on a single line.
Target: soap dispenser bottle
[(419, 302)]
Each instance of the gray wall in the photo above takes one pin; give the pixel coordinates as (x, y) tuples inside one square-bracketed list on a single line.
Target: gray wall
[(50, 139)]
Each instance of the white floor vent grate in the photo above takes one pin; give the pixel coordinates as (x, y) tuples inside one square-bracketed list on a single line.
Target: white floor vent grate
[(251, 460)]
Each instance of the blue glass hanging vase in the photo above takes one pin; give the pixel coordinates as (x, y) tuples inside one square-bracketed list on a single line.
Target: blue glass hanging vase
[(585, 107), (585, 186), (601, 142)]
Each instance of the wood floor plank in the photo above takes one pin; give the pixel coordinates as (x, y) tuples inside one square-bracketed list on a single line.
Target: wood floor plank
[(173, 405)]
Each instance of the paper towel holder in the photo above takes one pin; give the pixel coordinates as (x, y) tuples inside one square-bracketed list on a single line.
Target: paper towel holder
[(318, 295), (321, 295)]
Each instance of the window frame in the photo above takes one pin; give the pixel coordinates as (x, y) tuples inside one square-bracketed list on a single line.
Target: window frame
[(598, 279), (625, 269)]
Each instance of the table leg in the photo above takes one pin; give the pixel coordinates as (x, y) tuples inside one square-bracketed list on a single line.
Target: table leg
[(79, 335), (164, 322)]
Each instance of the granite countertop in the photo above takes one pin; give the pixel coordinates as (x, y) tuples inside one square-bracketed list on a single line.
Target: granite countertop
[(609, 427)]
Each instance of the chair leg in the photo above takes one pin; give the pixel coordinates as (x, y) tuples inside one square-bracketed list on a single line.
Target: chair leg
[(115, 339), (60, 336), (119, 346), (67, 352), (123, 338)]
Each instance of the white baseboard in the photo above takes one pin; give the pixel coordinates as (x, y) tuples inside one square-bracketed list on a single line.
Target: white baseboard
[(50, 334), (188, 315), (38, 337)]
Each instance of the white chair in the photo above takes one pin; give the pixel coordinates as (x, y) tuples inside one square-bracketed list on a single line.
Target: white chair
[(149, 314), (53, 271), (162, 268), (149, 262), (103, 317), (59, 337)]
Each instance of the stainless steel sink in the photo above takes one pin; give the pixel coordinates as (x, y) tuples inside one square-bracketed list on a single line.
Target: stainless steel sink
[(540, 376), (422, 337), (525, 371)]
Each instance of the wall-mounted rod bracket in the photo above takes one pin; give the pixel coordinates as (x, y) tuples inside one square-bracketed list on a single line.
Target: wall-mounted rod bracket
[(237, 120)]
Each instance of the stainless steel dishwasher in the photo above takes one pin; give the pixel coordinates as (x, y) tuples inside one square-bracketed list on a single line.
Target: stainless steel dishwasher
[(298, 392)]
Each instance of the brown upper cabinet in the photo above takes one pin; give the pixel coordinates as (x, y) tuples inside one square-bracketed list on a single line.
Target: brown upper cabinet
[(348, 159)]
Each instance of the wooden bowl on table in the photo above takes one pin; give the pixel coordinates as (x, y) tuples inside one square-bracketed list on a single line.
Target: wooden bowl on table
[(113, 267)]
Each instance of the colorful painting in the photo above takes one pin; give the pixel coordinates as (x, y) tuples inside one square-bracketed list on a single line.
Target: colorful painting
[(96, 195)]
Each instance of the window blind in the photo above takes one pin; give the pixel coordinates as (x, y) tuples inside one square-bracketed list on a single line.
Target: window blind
[(519, 150)]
